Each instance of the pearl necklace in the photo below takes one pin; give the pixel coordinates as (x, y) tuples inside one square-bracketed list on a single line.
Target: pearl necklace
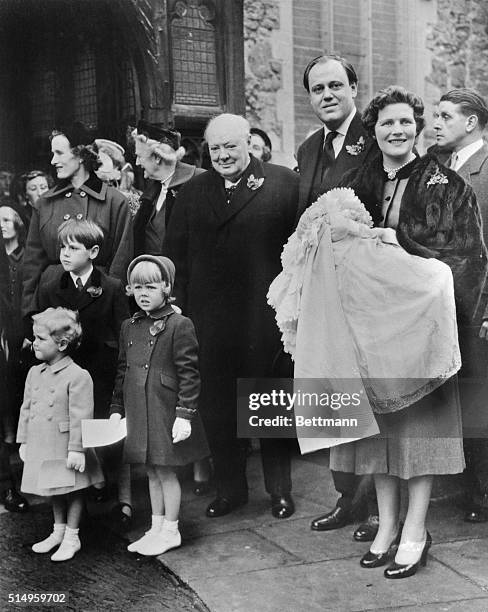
[(392, 172)]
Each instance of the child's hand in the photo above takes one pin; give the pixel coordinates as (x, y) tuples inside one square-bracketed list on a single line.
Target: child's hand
[(22, 451), (76, 461), (115, 417), (181, 430)]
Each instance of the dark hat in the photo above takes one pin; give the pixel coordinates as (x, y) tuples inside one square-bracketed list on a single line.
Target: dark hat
[(156, 131), (165, 264), (77, 133), (263, 135)]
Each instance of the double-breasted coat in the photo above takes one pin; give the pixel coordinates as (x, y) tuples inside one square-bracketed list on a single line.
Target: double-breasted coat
[(157, 381), (226, 256), (102, 306), (56, 399), (94, 200)]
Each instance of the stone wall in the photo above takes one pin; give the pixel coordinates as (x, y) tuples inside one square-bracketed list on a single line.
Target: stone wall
[(459, 44), (262, 70)]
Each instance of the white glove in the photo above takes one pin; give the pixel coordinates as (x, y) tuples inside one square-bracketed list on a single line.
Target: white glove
[(75, 461), (115, 417), (181, 430), (22, 451)]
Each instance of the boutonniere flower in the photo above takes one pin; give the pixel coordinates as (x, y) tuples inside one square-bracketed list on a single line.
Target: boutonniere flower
[(157, 327), (254, 183), (437, 178), (95, 291), (173, 192), (357, 148)]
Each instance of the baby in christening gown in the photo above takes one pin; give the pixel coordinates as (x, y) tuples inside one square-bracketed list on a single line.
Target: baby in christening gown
[(396, 310)]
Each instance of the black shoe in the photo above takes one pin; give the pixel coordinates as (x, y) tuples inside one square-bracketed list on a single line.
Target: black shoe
[(119, 518), (397, 570), (371, 559), (366, 532), (282, 506), (222, 506), (201, 487), (13, 501), (335, 519)]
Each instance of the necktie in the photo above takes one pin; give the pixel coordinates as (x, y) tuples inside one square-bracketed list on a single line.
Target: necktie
[(229, 191), (454, 161), (329, 153), (79, 284)]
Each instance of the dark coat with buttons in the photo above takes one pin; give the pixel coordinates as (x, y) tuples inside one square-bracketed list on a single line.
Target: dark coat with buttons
[(226, 256), (158, 380), (94, 200), (57, 397), (102, 306)]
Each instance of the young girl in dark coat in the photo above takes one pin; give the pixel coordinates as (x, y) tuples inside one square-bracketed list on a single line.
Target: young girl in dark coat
[(157, 387)]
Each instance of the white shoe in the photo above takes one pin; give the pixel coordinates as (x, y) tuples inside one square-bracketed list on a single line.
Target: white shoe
[(49, 543), (160, 543), (134, 547), (67, 550)]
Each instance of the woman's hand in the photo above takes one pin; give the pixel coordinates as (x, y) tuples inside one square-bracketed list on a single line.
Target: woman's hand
[(76, 461), (22, 452), (181, 430), (483, 333)]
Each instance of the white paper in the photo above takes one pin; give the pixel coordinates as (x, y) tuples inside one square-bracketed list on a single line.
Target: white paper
[(102, 432)]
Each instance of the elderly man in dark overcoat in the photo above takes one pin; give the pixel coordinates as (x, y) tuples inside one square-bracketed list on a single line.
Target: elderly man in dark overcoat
[(225, 236)]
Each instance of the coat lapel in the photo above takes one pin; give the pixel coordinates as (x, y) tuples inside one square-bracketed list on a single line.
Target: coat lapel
[(78, 300), (313, 155), (474, 164)]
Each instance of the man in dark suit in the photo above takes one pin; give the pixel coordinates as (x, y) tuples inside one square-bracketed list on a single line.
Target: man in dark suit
[(459, 124), (323, 159), (225, 237), (342, 143), (159, 152)]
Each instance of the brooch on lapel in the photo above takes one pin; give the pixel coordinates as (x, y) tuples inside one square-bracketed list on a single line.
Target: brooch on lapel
[(357, 148), (437, 178), (157, 327), (254, 183), (95, 291)]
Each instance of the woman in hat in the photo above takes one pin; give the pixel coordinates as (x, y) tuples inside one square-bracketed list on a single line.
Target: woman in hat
[(79, 194)]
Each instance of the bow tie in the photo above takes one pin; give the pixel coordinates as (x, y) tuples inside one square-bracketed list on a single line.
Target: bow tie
[(229, 191)]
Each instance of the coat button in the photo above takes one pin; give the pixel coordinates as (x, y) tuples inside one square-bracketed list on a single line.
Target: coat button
[(79, 216), (146, 366), (52, 390), (51, 403), (49, 417), (82, 194), (151, 342), (68, 195), (66, 216)]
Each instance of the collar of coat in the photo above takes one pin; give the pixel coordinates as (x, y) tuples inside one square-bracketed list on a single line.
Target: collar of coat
[(164, 311), (93, 187), (64, 362), (255, 167), (17, 253), (182, 174)]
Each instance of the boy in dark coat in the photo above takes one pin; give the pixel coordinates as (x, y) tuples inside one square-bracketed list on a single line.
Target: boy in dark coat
[(102, 305)]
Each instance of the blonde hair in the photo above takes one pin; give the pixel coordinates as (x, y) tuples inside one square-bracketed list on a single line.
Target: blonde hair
[(145, 272), (62, 325)]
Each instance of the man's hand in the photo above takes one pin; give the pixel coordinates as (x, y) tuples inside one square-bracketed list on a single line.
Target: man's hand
[(76, 461), (22, 451), (483, 333), (181, 430)]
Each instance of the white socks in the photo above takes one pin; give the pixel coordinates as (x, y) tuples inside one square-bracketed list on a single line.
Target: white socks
[(156, 524), (52, 540), (163, 536), (69, 546)]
